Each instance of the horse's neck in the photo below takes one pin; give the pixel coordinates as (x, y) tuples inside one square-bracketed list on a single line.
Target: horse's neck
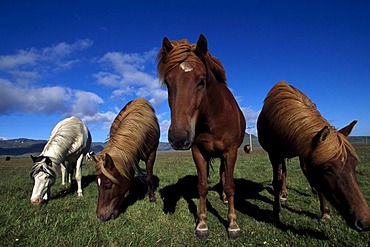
[(54, 154), (217, 98)]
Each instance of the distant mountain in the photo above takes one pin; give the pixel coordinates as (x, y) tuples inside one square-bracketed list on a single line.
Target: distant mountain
[(24, 146), (255, 143)]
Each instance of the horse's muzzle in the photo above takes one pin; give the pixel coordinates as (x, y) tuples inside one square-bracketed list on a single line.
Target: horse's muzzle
[(36, 201), (180, 141), (362, 225)]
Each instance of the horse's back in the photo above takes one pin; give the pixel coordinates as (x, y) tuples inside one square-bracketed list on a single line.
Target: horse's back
[(288, 121), (72, 136), (135, 128)]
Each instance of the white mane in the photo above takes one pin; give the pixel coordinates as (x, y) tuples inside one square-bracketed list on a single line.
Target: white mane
[(67, 141)]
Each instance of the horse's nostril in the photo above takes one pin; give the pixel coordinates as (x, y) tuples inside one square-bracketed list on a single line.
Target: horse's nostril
[(36, 201), (362, 225)]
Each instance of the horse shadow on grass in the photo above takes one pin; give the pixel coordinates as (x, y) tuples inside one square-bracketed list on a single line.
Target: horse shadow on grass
[(186, 188), (138, 191), (72, 188)]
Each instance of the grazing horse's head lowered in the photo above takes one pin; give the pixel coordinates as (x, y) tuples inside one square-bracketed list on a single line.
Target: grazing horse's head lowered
[(69, 141), (43, 174), (112, 187), (289, 125), (204, 117), (134, 136)]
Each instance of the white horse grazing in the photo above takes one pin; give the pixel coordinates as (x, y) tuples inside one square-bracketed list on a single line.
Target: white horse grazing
[(70, 140)]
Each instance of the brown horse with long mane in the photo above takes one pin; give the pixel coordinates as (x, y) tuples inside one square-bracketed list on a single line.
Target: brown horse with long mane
[(289, 125), (204, 117), (134, 136)]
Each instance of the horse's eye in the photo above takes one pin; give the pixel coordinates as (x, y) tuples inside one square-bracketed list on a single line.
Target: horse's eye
[(201, 83), (107, 186)]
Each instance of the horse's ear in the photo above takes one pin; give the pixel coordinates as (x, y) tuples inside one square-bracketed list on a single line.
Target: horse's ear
[(166, 45), (33, 158), (94, 157), (348, 129), (320, 136), (202, 47), (108, 164), (48, 161)]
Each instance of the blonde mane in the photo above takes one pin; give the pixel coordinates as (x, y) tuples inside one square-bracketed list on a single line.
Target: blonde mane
[(295, 119), (185, 51), (135, 124)]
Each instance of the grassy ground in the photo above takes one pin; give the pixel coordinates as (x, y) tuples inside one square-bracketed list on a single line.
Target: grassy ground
[(70, 221)]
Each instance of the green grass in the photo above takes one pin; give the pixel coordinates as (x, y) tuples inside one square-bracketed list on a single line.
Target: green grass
[(70, 221)]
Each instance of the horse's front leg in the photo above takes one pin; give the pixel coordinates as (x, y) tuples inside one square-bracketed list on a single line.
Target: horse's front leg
[(201, 164), (79, 174), (149, 175), (63, 171), (228, 161), (324, 207), (279, 184)]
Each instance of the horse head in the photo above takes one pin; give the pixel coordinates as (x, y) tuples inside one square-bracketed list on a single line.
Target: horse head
[(336, 179), (44, 175), (112, 187), (186, 79)]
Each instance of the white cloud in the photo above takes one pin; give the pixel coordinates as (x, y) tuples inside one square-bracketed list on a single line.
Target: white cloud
[(250, 118), (47, 100), (28, 65), (127, 74)]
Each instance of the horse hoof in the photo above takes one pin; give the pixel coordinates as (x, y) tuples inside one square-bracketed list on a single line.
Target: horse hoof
[(283, 199), (202, 231), (79, 194), (325, 217), (234, 233), (201, 234)]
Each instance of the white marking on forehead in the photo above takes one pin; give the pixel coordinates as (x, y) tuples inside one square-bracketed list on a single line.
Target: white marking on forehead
[(186, 67), (99, 181)]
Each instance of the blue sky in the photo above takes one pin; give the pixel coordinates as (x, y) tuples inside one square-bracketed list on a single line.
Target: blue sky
[(89, 58)]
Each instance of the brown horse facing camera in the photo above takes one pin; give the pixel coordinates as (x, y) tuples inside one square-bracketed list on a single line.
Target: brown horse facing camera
[(204, 117), (289, 125), (134, 136)]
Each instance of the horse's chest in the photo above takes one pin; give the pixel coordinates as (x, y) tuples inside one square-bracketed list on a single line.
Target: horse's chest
[(209, 143)]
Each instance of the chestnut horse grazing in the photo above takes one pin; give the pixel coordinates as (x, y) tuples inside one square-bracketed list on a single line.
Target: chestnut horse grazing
[(134, 136), (289, 125), (204, 117)]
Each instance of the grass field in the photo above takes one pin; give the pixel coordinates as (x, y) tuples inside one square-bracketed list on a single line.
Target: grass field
[(70, 221)]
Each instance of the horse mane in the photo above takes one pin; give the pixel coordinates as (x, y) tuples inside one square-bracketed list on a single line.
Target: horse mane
[(185, 51), (133, 126), (64, 139), (297, 121)]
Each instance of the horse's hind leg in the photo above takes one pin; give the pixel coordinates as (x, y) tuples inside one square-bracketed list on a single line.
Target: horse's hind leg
[(149, 175), (79, 175), (278, 183), (222, 181)]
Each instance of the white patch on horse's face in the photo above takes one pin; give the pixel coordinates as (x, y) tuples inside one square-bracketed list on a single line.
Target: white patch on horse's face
[(41, 187), (186, 67), (99, 181)]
